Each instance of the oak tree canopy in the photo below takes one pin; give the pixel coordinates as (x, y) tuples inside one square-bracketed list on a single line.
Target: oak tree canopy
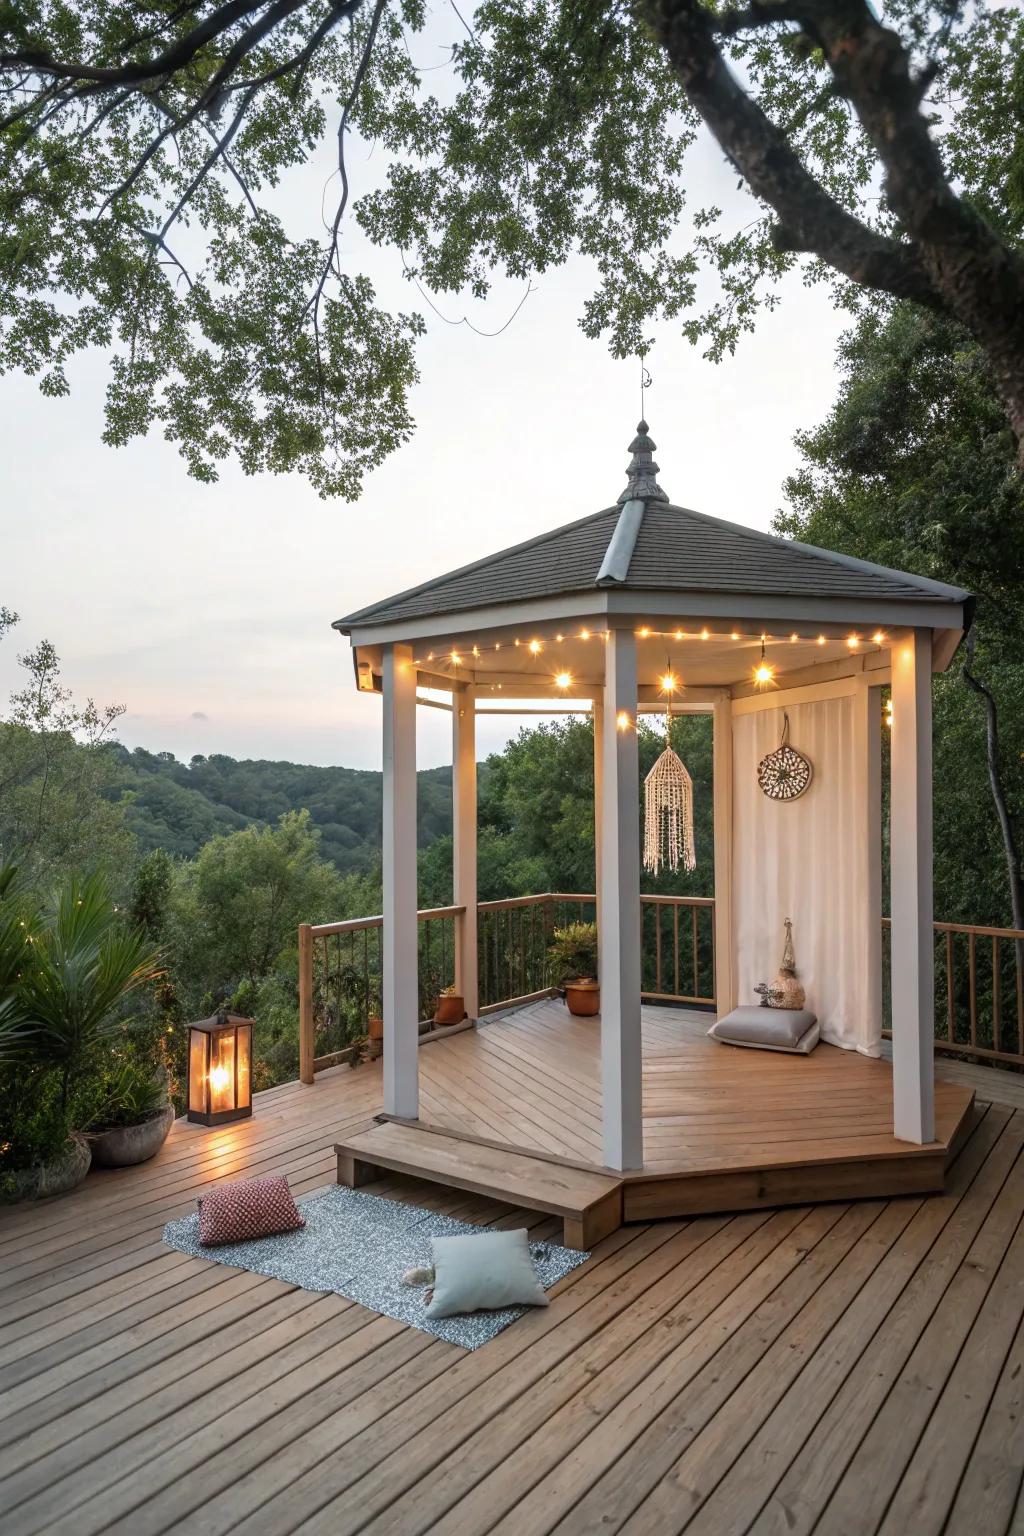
[(143, 147)]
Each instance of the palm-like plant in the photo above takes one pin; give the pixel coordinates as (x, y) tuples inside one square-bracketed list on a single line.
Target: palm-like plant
[(17, 926), (84, 962)]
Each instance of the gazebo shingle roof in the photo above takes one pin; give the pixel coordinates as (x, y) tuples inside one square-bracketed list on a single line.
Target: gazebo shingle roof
[(675, 550)]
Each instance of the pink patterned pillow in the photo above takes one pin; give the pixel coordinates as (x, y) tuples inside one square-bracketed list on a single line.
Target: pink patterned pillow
[(233, 1213)]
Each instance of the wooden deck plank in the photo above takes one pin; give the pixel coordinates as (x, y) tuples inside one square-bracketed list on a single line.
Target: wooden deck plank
[(727, 1373)]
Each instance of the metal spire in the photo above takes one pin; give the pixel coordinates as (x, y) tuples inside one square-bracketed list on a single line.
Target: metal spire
[(642, 474)]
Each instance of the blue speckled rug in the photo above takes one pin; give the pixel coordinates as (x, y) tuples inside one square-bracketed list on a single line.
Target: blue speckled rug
[(360, 1245)]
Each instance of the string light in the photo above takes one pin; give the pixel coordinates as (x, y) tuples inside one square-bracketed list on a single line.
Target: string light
[(821, 639), (704, 634), (853, 641), (563, 680), (888, 712), (623, 721), (645, 633), (735, 635), (584, 635), (669, 682), (535, 647), (476, 652), (793, 639), (456, 659), (878, 637), (763, 673), (679, 634)]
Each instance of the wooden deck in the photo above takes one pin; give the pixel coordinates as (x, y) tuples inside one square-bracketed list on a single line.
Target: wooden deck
[(846, 1368)]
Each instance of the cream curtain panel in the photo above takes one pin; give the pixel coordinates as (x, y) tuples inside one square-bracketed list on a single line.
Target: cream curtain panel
[(807, 860)]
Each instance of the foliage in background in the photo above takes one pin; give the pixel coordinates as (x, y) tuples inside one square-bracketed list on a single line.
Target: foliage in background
[(915, 467)]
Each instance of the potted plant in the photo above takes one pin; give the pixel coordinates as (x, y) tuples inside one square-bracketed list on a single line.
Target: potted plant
[(59, 1011), (451, 1008), (572, 959), (132, 1118)]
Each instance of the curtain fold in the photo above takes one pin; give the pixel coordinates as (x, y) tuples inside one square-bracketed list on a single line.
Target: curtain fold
[(806, 859)]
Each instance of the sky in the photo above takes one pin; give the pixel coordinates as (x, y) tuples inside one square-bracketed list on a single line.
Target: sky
[(206, 609)]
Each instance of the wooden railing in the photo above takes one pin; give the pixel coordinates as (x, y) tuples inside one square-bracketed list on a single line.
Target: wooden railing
[(979, 971), (979, 990), (340, 964)]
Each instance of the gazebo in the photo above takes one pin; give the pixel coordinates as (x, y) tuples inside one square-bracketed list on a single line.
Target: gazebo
[(761, 632)]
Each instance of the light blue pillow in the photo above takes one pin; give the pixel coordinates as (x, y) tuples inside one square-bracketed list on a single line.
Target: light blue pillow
[(484, 1270)]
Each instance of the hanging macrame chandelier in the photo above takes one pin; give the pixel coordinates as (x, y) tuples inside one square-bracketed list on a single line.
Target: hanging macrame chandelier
[(668, 805)]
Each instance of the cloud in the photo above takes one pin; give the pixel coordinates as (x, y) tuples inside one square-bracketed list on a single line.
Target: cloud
[(197, 714)]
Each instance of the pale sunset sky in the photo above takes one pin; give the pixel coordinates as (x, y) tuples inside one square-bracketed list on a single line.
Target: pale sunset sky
[(206, 610)]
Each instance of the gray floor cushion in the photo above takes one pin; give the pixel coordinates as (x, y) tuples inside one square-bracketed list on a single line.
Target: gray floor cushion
[(769, 1029)]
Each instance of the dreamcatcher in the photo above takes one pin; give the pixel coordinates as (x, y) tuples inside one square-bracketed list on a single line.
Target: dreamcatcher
[(668, 811), (785, 773)]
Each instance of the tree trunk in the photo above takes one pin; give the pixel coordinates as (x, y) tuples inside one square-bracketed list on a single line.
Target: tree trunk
[(995, 779)]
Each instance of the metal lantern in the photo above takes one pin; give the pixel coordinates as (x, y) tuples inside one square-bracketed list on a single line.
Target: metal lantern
[(220, 1069)]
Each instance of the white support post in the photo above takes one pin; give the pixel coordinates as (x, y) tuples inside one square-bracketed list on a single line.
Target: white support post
[(597, 711), (619, 934), (913, 981), (867, 745), (464, 839), (401, 925), (725, 959)]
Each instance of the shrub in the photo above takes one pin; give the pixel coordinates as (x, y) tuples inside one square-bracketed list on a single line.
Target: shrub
[(572, 954)]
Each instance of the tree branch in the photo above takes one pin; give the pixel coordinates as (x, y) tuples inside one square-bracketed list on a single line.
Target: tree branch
[(809, 219)]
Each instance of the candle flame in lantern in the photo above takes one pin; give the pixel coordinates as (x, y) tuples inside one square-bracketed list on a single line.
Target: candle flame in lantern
[(219, 1078)]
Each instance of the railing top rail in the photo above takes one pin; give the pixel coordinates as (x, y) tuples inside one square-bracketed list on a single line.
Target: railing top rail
[(679, 901), (357, 924), (978, 929), (529, 901)]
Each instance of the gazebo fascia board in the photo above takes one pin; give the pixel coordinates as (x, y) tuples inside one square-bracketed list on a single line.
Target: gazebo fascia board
[(617, 606)]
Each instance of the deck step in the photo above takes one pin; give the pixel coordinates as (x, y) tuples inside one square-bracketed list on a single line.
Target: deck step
[(590, 1204)]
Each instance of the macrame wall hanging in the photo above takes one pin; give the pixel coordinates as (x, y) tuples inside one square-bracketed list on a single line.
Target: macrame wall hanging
[(668, 811), (785, 773)]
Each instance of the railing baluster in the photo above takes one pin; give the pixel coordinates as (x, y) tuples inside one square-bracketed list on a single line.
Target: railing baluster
[(949, 987), (675, 947), (657, 948), (996, 999), (972, 971), (693, 932)]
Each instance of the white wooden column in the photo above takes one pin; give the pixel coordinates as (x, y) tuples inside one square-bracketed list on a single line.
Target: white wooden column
[(725, 958), (621, 1063), (867, 746), (401, 938), (464, 840), (910, 839), (597, 710)]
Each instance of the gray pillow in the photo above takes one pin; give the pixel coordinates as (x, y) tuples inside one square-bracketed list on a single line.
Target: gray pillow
[(486, 1269), (769, 1029)]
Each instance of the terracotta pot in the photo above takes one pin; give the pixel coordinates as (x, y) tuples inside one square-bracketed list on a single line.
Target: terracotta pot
[(583, 997), (55, 1178), (375, 1029), (124, 1145), (450, 1009)]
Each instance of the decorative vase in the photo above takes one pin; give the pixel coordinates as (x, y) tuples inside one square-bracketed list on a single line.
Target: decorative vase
[(56, 1178), (124, 1145), (451, 1009), (583, 997), (787, 991), (375, 1029)]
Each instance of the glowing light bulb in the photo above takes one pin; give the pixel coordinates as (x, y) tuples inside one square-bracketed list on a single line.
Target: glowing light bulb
[(888, 712), (704, 634), (735, 635), (535, 647), (793, 639), (821, 639), (456, 659), (878, 637), (219, 1078), (763, 674), (679, 634), (584, 634), (563, 680), (559, 638), (853, 641), (623, 721), (668, 683), (476, 650), (644, 633)]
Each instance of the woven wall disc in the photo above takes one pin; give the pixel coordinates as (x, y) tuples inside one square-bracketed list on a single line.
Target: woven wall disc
[(785, 773)]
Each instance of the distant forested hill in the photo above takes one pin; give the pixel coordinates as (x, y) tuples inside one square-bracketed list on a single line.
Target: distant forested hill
[(180, 806)]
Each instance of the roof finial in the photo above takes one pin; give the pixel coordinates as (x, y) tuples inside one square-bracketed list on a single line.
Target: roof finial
[(642, 474)]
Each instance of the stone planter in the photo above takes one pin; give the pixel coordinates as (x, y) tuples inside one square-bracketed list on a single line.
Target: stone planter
[(54, 1178), (583, 997), (124, 1145)]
